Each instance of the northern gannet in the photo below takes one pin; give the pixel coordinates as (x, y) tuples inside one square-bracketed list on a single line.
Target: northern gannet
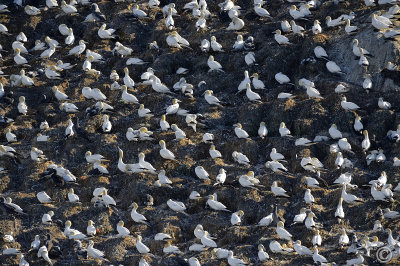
[(107, 199), (177, 206), (18, 59), (31, 10), (299, 218), (343, 239), (302, 250), (106, 124), (358, 126), (69, 131), (207, 241), (216, 205), (308, 197), (208, 137), (333, 67), (96, 14), (275, 166), (49, 52), (344, 144), (297, 29), (215, 46), (3, 29), (317, 240), (11, 137), (296, 13), (349, 198), (169, 248), (251, 95), (68, 9), (137, 12), (91, 230), (348, 28), (262, 130), (363, 61), (243, 83), (44, 253), (79, 49), (70, 37), (51, 72), (135, 61), (15, 207), (278, 191), (339, 160), (316, 28), (235, 261), (213, 65), (239, 43), (282, 78), (169, 20), (320, 52), (95, 253), (20, 46), (194, 195), (37, 155), (157, 85), (164, 152), (334, 132), (46, 218), (282, 232), (60, 96), (205, 45), (72, 197), (263, 13), (240, 158), (127, 97), (240, 132), (144, 112), (311, 182), (201, 173), (236, 24), (280, 39), (210, 98), (380, 22), (122, 50), (248, 180), (43, 197), (348, 106), (334, 22), (267, 220), (317, 257), (383, 104), (388, 214), (214, 153), (128, 81), (283, 130), (105, 34), (221, 177), (10, 251), (276, 156), (162, 236), (122, 230), (303, 142), (174, 40)]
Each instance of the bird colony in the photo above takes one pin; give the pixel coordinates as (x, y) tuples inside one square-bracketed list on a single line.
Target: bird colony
[(199, 132)]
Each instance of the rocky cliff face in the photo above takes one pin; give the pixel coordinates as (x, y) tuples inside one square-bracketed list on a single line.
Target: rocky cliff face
[(303, 116)]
